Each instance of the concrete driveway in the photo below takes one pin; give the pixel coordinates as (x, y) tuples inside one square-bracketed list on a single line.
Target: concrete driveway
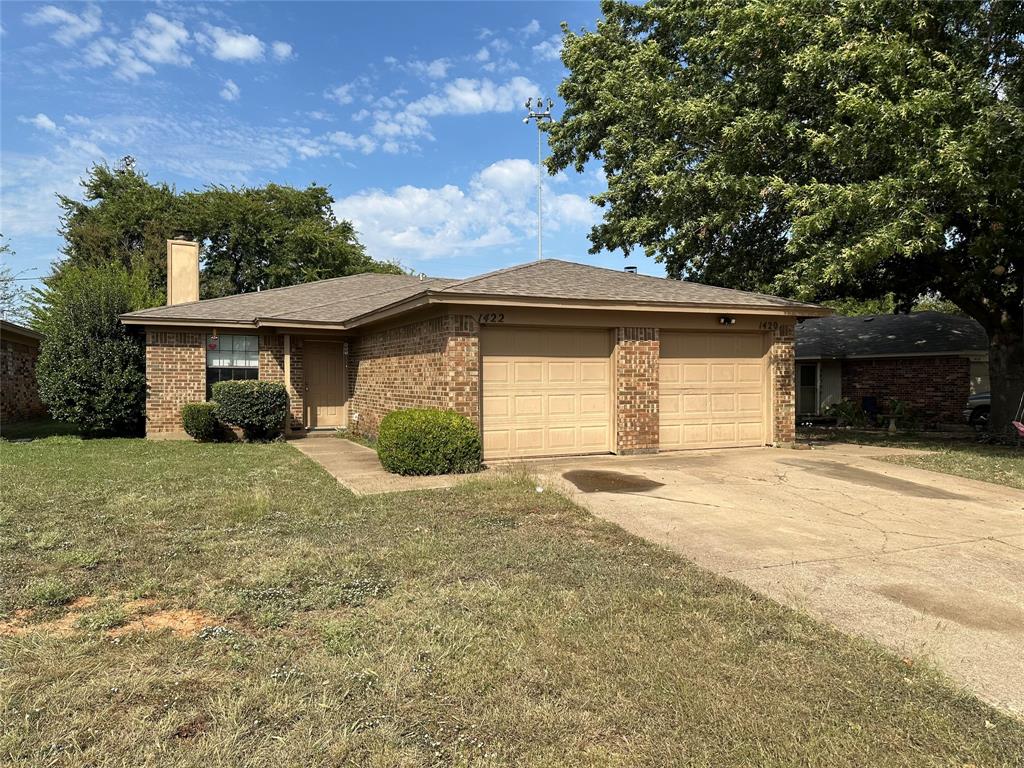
[(928, 564)]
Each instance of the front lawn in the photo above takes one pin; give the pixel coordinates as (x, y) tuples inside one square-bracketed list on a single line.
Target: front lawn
[(964, 457), (174, 604)]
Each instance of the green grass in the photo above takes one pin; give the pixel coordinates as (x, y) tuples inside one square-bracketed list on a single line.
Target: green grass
[(36, 429), (964, 457), (485, 625)]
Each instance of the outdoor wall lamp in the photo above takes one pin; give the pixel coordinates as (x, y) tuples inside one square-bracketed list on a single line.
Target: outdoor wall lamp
[(726, 320)]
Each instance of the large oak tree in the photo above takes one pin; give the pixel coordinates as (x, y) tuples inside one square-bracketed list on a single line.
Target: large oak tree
[(817, 148)]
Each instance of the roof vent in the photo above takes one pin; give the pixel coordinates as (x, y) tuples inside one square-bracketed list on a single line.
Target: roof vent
[(631, 269)]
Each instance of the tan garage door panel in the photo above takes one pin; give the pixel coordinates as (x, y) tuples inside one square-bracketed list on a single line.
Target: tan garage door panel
[(545, 392), (712, 390)]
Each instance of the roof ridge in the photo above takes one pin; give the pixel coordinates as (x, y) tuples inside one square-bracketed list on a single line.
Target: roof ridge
[(503, 270), (269, 290)]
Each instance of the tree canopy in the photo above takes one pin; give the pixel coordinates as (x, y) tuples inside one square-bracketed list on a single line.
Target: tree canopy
[(252, 237), (813, 148)]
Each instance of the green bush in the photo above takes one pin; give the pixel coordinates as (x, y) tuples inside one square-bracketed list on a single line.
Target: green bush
[(91, 370), (257, 407), (200, 421), (428, 442)]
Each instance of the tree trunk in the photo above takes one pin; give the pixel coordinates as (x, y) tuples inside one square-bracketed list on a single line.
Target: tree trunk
[(1006, 378)]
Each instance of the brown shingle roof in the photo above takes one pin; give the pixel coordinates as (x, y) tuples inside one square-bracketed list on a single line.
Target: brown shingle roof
[(344, 300)]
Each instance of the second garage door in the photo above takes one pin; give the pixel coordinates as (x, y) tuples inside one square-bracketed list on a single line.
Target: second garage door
[(545, 391), (712, 390)]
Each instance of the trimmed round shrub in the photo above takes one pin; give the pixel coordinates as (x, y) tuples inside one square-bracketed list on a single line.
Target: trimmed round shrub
[(258, 408), (200, 421), (428, 442)]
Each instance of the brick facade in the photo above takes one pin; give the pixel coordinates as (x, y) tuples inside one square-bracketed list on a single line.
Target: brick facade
[(432, 363), (436, 363), (782, 358), (935, 386), (19, 395), (175, 375), (637, 352), (272, 369)]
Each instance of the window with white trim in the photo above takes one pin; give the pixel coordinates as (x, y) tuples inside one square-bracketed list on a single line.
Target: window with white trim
[(231, 358)]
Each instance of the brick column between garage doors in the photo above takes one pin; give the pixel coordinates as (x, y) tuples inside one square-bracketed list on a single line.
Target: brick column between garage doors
[(636, 358), (783, 383)]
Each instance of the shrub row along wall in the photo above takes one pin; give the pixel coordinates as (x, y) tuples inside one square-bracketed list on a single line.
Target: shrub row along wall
[(19, 398), (935, 385), (433, 363)]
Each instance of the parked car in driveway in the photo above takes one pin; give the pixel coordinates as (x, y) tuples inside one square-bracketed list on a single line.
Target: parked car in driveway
[(977, 408)]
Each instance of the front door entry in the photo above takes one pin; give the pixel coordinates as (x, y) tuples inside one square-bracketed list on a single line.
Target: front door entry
[(324, 369)]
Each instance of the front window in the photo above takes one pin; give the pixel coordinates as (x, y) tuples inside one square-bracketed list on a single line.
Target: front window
[(230, 358)]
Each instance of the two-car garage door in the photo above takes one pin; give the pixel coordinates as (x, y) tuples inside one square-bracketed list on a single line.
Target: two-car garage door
[(548, 391)]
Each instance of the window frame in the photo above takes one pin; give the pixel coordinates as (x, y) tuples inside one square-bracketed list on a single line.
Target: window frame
[(242, 347)]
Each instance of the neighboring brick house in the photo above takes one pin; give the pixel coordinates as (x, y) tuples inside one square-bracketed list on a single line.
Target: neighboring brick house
[(19, 395), (548, 358), (929, 360)]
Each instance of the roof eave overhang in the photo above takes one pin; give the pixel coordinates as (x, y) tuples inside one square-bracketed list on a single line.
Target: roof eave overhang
[(433, 297), (895, 355)]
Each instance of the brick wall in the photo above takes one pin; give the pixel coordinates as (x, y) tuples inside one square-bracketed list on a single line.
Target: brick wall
[(19, 395), (272, 369), (175, 375), (637, 351), (428, 364), (783, 383), (935, 385)]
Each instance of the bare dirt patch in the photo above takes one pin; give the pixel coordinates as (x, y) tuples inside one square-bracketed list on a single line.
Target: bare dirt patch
[(179, 621), (21, 623)]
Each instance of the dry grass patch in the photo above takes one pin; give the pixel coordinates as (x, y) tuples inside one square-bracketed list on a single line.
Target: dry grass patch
[(486, 625)]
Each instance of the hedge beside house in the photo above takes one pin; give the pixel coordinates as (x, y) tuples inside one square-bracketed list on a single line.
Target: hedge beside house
[(257, 407)]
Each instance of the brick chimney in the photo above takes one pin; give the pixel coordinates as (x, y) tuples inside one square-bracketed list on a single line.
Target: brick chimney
[(182, 271)]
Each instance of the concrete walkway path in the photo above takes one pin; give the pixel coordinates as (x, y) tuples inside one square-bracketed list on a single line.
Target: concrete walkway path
[(357, 467)]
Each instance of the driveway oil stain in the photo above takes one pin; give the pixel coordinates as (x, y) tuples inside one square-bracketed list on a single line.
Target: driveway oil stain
[(601, 481), (960, 606), (860, 476)]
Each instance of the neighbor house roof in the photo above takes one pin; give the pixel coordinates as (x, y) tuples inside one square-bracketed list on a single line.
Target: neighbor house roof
[(8, 328), (345, 302), (916, 334)]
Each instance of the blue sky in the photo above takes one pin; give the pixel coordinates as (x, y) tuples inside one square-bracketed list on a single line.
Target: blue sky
[(410, 112)]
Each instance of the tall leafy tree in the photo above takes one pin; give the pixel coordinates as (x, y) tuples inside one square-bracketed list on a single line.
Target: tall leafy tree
[(272, 236), (251, 237), (817, 148), (91, 369)]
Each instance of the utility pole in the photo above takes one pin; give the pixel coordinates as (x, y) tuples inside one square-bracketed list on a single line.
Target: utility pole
[(539, 115)]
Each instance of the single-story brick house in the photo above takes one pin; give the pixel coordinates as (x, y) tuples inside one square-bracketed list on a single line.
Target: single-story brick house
[(549, 357), (19, 395), (931, 360)]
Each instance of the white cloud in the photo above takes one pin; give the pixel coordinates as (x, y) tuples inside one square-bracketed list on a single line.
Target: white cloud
[(550, 49), (40, 121), (282, 50), (105, 52), (340, 93), (230, 91), (482, 55), (494, 209), (362, 143), (160, 41), (531, 29), (435, 70), (227, 45), (69, 27), (467, 96)]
